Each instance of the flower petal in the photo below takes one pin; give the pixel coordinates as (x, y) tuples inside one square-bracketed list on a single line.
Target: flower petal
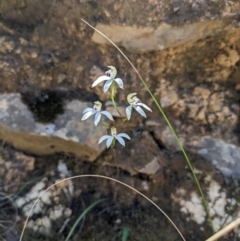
[(119, 82), (124, 135), (107, 85), (145, 106), (87, 115), (88, 110), (139, 110), (112, 71), (109, 141), (106, 113), (97, 118), (120, 140), (99, 80), (129, 112), (103, 138)]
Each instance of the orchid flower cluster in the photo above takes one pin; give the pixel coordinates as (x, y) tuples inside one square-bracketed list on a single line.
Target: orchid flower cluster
[(134, 103)]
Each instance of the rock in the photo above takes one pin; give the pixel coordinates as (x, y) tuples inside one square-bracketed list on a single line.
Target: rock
[(9, 170), (7, 46), (151, 168), (191, 51), (237, 87), (141, 155), (47, 199), (201, 92), (67, 133), (141, 40), (164, 136), (191, 204), (229, 59), (194, 206), (224, 156), (168, 94), (113, 111), (169, 99)]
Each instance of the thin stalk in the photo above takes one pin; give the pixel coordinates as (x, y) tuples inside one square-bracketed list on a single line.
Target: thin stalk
[(113, 99), (82, 216), (106, 126), (167, 121), (125, 234), (230, 213)]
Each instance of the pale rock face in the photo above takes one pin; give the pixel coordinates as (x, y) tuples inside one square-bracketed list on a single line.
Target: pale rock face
[(7, 45), (141, 40), (151, 168), (51, 206), (68, 133), (229, 59), (201, 92), (169, 98), (42, 225), (225, 156), (191, 204)]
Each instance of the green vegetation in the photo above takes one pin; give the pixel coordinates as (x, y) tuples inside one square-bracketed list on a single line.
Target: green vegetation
[(168, 123), (82, 216)]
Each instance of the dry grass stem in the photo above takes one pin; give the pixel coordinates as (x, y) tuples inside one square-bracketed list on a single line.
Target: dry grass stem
[(225, 230)]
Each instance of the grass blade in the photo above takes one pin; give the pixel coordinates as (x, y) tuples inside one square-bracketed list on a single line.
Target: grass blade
[(125, 234), (81, 217)]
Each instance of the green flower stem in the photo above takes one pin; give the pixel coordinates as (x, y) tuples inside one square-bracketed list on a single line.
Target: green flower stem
[(113, 143), (106, 126), (123, 120), (113, 101), (183, 151)]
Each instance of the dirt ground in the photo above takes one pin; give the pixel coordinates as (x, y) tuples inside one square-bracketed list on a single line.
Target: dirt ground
[(122, 208)]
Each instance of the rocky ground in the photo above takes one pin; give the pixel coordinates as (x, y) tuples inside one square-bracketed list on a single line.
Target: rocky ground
[(189, 54), (169, 184)]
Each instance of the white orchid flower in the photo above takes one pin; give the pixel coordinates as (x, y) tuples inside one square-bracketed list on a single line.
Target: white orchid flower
[(136, 104), (114, 137), (109, 76), (97, 111)]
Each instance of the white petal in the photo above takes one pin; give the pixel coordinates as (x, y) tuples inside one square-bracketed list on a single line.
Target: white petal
[(103, 138), (109, 141), (124, 135), (119, 82), (97, 118), (145, 106), (87, 115), (107, 85), (88, 110), (139, 110), (99, 80), (106, 113), (129, 112), (120, 139)]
